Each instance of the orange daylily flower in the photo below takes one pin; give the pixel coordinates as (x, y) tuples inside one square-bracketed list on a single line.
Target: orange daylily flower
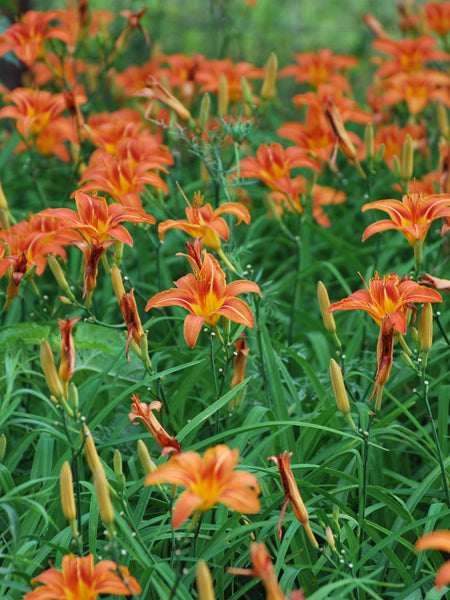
[(33, 109), (292, 495), (203, 221), (67, 366), (99, 225), (409, 54), (181, 74), (209, 480), (321, 67), (144, 412), (347, 107), (417, 89), (393, 137), (210, 71), (437, 15), (263, 569), (412, 216), (27, 37), (387, 296), (79, 578), (273, 165), (437, 540), (206, 295)]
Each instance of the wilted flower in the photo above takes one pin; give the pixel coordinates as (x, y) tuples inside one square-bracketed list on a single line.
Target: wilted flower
[(144, 412)]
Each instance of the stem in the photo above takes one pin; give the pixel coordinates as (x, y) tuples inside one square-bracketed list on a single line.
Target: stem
[(298, 263), (435, 437), (363, 497)]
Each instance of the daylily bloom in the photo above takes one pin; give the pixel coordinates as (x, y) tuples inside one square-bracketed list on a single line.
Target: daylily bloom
[(144, 412), (209, 480), (181, 74), (437, 540), (412, 216), (409, 54), (67, 366), (393, 137), (81, 579), (273, 165), (321, 67), (203, 221), (27, 37), (205, 294), (417, 89), (263, 569), (99, 225), (292, 495), (387, 296), (210, 71), (437, 15)]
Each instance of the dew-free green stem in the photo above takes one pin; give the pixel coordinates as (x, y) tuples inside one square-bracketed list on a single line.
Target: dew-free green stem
[(436, 439)]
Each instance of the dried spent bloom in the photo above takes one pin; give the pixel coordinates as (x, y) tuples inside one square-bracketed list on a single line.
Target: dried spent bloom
[(263, 569), (80, 579), (436, 282), (437, 540), (387, 296), (206, 295), (292, 495), (67, 366), (209, 479), (154, 90), (144, 412)]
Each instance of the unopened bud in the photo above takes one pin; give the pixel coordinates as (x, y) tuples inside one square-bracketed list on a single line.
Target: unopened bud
[(48, 366), (61, 280), (379, 155), (407, 161), (118, 470), (330, 538), (272, 208), (369, 143), (103, 495), (407, 360), (442, 119), (268, 90), (67, 496), (118, 251), (396, 167), (246, 91), (90, 450), (340, 392), (223, 97), (204, 582), (324, 303), (117, 282), (73, 397), (144, 456), (426, 331), (205, 107)]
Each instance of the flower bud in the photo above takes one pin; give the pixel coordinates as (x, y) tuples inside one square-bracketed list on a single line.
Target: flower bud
[(73, 397), (67, 496), (204, 582), (61, 280), (407, 159), (324, 303), (330, 538), (205, 107), (369, 142), (105, 506), (340, 392), (426, 331), (90, 450), (117, 282), (49, 368), (246, 91), (268, 90), (223, 96), (144, 456), (442, 119), (118, 471)]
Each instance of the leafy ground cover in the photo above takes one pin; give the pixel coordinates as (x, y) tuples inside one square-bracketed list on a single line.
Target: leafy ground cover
[(224, 342)]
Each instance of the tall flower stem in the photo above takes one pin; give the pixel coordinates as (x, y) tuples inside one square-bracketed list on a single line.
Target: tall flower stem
[(296, 293), (435, 437), (365, 477)]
